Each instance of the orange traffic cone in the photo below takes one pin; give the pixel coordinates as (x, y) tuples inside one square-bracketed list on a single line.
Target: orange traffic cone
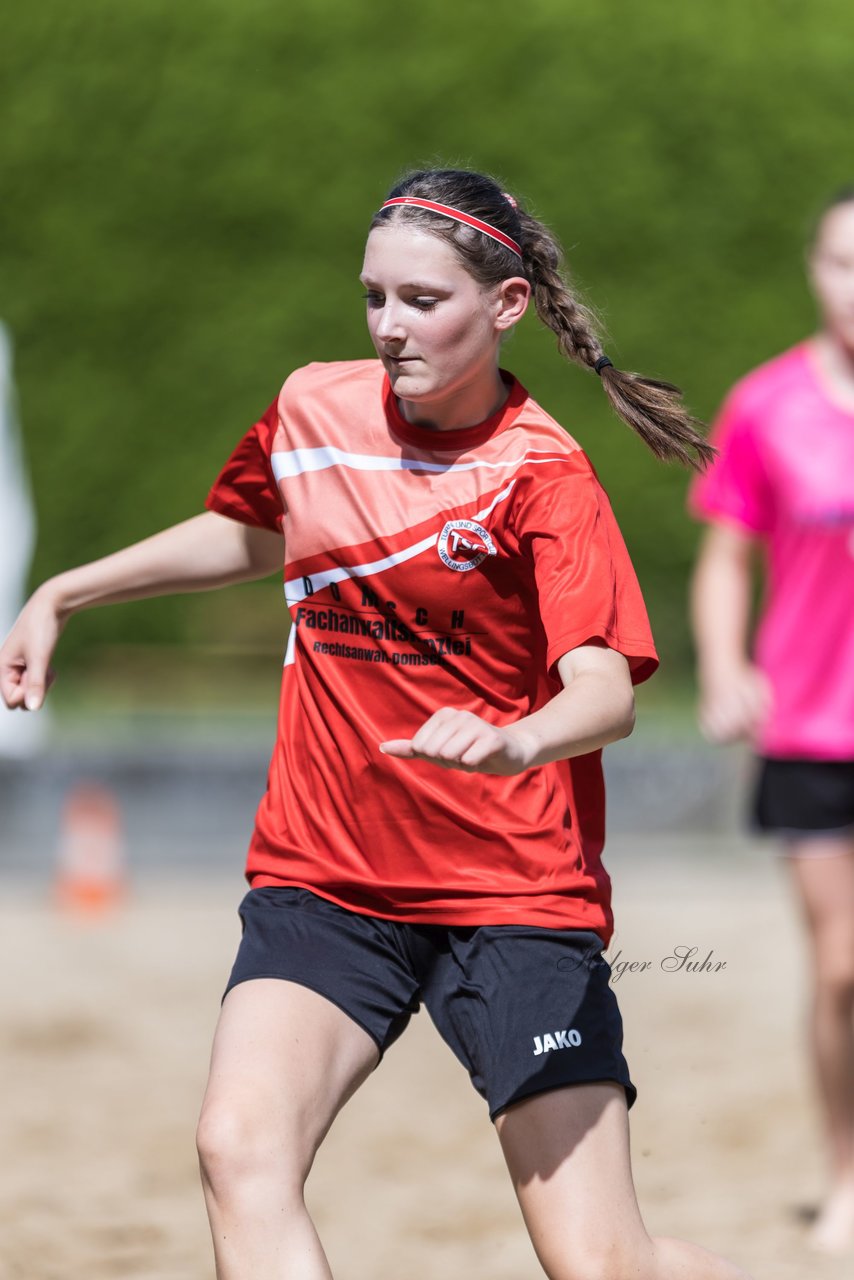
[(90, 874)]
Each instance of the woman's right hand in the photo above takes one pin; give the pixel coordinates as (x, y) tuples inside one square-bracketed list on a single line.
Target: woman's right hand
[(25, 671), (734, 704)]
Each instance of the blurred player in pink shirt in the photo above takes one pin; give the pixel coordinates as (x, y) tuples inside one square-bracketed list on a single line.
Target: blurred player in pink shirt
[(784, 483)]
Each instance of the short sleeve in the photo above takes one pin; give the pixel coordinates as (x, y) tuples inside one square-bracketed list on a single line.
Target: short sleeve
[(586, 584), (246, 488), (735, 487)]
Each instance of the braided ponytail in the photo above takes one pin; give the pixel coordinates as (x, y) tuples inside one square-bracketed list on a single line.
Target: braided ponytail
[(652, 408)]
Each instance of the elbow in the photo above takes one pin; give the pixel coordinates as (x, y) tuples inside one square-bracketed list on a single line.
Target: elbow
[(626, 722)]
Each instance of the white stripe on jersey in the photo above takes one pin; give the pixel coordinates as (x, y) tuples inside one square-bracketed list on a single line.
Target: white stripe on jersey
[(499, 497), (296, 462), (295, 588)]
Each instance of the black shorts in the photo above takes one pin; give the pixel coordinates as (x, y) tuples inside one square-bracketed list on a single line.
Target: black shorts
[(805, 797), (524, 1009)]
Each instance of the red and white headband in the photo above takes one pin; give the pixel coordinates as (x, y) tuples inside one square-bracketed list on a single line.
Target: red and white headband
[(458, 216)]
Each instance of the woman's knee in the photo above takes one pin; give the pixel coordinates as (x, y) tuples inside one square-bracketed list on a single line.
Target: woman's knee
[(238, 1146), (834, 972), (601, 1260)]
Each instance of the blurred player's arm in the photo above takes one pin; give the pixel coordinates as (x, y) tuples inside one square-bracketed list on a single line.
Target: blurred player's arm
[(200, 554), (734, 694)]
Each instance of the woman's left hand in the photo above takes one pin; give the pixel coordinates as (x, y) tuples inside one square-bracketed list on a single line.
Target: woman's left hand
[(456, 739)]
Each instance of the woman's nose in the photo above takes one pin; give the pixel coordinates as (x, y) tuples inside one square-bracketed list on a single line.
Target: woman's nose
[(389, 323)]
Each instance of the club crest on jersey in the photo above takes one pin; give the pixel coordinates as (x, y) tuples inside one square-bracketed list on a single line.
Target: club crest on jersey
[(464, 544)]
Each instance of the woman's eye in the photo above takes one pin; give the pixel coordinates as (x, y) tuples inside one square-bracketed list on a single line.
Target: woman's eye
[(375, 299)]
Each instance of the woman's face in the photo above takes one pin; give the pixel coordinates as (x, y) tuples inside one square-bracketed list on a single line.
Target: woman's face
[(832, 272), (435, 329)]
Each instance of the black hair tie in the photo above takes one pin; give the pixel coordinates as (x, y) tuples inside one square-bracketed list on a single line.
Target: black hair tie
[(602, 363)]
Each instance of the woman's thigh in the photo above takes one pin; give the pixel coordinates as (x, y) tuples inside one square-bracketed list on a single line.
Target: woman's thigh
[(567, 1152), (284, 1062), (823, 872)]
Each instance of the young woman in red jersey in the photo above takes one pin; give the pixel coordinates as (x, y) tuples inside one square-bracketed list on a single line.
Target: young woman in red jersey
[(784, 482), (466, 631)]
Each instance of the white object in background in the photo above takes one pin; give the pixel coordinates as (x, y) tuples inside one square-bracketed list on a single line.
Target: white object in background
[(21, 734)]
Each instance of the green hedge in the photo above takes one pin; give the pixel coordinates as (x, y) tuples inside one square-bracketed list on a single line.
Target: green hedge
[(186, 190)]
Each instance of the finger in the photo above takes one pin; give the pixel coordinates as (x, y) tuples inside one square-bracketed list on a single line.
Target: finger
[(436, 736), (12, 686), (443, 716), (450, 746), (752, 711), (477, 747), (440, 762), (716, 724), (404, 747), (13, 696), (431, 738), (705, 719), (732, 724), (38, 678), (478, 743), (737, 712), (401, 747), (480, 753), (751, 704), (36, 687), (761, 701)]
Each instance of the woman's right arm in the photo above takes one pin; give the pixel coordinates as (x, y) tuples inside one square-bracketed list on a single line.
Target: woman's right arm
[(734, 694), (202, 553)]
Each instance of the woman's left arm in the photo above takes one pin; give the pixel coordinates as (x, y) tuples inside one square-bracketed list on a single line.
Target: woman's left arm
[(596, 706)]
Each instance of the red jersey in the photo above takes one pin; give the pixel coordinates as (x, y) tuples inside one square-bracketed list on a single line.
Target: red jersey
[(428, 569)]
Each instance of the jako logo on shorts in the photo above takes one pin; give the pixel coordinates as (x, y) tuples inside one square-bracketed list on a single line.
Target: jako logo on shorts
[(556, 1040), (463, 544)]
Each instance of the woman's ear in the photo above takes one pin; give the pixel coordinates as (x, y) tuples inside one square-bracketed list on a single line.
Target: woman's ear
[(512, 302)]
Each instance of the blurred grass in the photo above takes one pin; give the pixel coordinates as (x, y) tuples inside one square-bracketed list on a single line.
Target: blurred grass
[(186, 193)]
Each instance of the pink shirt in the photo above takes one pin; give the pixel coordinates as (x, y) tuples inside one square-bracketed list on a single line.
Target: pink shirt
[(786, 474)]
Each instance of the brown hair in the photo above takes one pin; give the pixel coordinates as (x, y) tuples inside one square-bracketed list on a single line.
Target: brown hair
[(652, 408)]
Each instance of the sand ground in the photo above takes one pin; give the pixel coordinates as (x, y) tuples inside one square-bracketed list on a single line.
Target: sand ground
[(104, 1043)]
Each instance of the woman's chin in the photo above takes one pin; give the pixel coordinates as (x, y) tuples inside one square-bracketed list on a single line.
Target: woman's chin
[(411, 386)]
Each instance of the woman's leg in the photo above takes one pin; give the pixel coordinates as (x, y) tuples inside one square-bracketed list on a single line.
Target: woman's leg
[(823, 871), (568, 1155), (284, 1062)]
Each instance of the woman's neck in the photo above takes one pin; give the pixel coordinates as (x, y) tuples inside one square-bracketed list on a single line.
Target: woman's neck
[(835, 362), (467, 407)]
